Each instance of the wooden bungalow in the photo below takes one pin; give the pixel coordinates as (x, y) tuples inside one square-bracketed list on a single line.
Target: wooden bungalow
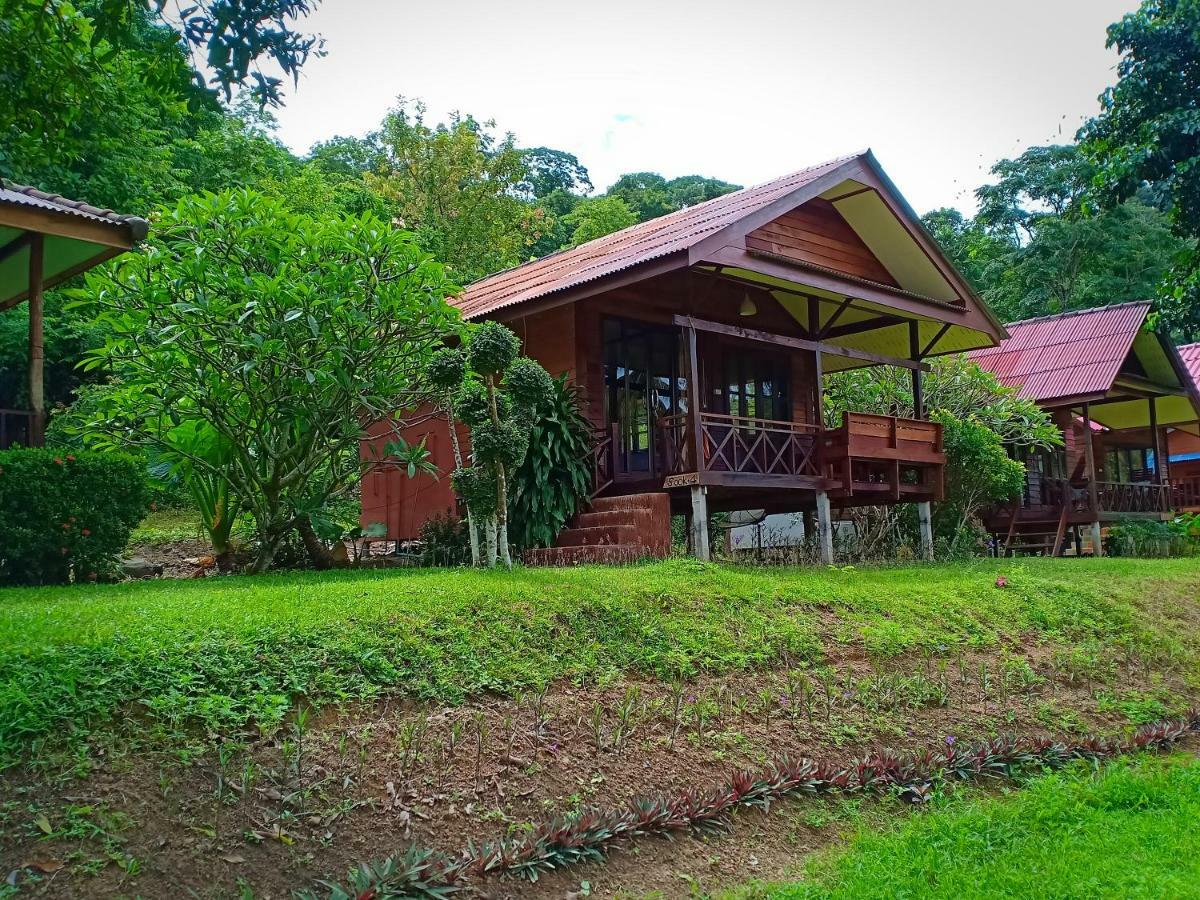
[(1115, 387), (44, 240), (699, 342), (1183, 446)]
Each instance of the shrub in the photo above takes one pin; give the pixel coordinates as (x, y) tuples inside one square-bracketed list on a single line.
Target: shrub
[(555, 478), (66, 515), (1146, 537), (445, 542)]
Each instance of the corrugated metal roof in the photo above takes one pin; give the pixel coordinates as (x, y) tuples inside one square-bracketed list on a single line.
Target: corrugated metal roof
[(1067, 355), (31, 196), (1191, 359), (626, 248)]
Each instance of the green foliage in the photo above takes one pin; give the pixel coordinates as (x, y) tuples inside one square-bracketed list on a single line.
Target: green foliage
[(597, 216), (1144, 537), (65, 516), (218, 655), (529, 385), (1123, 832), (979, 473), (649, 195), (555, 478), (477, 487), (278, 331), (472, 407), (445, 541), (954, 386), (491, 348), (459, 188), (1038, 246), (504, 443), (446, 369)]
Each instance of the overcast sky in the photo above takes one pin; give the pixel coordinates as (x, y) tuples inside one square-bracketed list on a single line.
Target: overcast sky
[(743, 90)]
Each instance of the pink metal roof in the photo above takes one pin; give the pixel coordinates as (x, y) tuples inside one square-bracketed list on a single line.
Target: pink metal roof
[(1191, 359), (1067, 355), (623, 249)]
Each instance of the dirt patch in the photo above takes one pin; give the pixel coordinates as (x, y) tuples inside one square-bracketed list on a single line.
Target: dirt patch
[(173, 556), (356, 783)]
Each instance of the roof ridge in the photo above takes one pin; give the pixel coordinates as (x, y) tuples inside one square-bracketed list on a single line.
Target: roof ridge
[(1080, 312), (672, 216)]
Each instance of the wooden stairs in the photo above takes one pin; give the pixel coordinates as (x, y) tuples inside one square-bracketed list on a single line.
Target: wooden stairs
[(1033, 537), (614, 530)]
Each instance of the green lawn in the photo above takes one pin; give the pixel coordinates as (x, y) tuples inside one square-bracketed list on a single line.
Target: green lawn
[(1128, 831), (231, 652)]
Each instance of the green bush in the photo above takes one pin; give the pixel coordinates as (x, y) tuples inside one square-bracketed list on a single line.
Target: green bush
[(1147, 537), (66, 515)]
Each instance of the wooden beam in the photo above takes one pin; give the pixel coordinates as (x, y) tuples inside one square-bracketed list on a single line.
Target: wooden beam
[(918, 388), (866, 325), (780, 340), (837, 314), (66, 225), (37, 353), (695, 404), (16, 245), (933, 343)]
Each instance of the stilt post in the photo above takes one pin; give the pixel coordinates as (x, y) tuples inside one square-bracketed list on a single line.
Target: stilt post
[(700, 547), (825, 527)]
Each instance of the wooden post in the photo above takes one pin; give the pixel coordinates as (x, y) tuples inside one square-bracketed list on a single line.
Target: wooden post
[(1093, 497), (37, 353), (825, 527), (924, 508), (1156, 440), (700, 548), (696, 438)]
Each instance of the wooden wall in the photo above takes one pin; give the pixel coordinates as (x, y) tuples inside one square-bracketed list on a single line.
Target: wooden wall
[(816, 233)]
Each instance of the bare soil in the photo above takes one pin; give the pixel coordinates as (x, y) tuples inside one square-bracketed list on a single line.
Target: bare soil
[(276, 813)]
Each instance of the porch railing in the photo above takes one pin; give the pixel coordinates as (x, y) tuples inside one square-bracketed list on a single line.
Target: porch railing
[(741, 445), (1185, 493), (1132, 497), (603, 475), (16, 426)]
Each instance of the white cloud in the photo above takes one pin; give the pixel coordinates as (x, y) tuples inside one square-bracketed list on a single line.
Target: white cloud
[(741, 91)]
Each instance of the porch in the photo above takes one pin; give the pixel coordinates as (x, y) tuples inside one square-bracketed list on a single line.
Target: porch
[(46, 239)]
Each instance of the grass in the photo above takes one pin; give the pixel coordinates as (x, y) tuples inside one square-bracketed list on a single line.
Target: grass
[(165, 526), (219, 655), (1127, 831)]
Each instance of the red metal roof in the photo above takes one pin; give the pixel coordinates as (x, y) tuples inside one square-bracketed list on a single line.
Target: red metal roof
[(1191, 359), (1068, 355), (626, 248), (23, 195)]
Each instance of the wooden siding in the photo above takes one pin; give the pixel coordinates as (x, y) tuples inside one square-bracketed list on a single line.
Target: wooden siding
[(816, 233)]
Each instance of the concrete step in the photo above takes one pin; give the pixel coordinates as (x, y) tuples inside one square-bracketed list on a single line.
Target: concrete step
[(598, 535), (603, 554), (658, 500)]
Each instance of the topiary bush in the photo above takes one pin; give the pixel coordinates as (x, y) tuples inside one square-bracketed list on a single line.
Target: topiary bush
[(67, 516)]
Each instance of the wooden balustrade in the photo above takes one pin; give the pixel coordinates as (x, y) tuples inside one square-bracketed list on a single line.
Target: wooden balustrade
[(1124, 497), (740, 445), (1185, 493)]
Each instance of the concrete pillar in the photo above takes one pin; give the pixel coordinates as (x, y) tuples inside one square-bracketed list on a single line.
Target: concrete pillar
[(37, 353), (825, 528), (699, 523), (925, 517), (1097, 544)]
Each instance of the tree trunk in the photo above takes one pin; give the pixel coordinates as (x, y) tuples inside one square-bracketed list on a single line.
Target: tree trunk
[(491, 541), (318, 554), (501, 485), (458, 464)]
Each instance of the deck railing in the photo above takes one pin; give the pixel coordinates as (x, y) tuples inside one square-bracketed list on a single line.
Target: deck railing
[(603, 475), (1048, 495), (1185, 493), (741, 445), (1124, 497), (16, 426)]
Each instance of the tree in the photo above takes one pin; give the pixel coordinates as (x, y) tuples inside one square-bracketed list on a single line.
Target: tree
[(650, 195), (1146, 138), (552, 170), (459, 189), (281, 333), (499, 395), (980, 418), (1037, 247), (597, 216)]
